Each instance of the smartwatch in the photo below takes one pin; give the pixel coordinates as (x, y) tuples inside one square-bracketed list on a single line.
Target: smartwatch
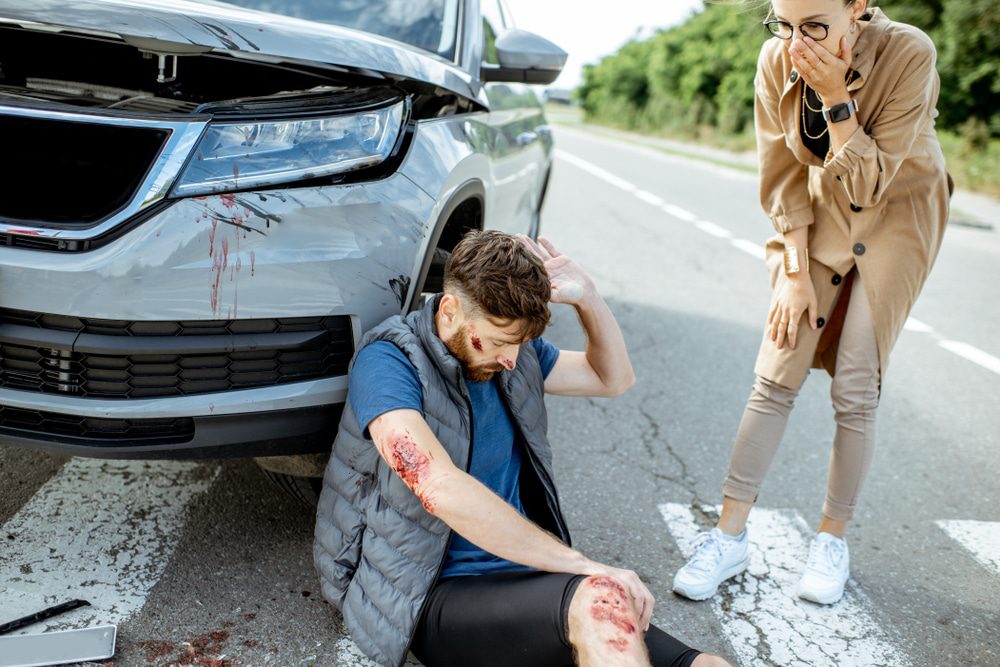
[(839, 112)]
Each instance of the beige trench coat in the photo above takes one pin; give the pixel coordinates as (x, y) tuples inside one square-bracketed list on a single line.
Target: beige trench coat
[(879, 204)]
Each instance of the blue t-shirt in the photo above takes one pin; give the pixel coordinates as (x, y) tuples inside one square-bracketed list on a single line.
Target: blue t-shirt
[(383, 379)]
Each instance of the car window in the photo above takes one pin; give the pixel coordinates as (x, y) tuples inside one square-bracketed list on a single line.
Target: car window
[(427, 24), (493, 25)]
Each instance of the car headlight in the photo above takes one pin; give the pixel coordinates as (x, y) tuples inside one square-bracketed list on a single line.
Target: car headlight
[(244, 154)]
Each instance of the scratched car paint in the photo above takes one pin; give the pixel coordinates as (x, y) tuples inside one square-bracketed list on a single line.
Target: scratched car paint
[(212, 203)]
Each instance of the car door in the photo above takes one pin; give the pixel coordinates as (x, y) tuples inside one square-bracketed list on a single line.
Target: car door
[(516, 123)]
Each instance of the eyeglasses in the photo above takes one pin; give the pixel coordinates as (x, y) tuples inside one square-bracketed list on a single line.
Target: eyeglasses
[(785, 30), (812, 29)]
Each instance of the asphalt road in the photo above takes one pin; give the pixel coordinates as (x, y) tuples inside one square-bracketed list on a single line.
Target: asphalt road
[(211, 565)]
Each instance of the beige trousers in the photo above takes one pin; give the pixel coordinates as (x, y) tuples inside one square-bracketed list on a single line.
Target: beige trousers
[(855, 395)]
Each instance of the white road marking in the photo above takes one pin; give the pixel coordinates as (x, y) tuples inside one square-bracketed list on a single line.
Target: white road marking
[(763, 619), (679, 213), (713, 229), (346, 648), (973, 354), (964, 350), (594, 170), (649, 198), (98, 530), (749, 247), (915, 325), (980, 538)]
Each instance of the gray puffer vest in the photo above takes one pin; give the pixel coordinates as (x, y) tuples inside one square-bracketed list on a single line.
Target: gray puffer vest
[(377, 550)]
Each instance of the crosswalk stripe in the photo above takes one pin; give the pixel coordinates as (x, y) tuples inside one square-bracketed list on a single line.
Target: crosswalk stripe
[(763, 619), (980, 538), (98, 530), (353, 656)]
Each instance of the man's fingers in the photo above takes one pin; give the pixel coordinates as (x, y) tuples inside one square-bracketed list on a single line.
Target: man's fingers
[(551, 249), (642, 601), (535, 249), (539, 250), (645, 614)]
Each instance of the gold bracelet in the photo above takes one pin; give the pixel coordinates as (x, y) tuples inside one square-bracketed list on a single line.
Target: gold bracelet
[(792, 260)]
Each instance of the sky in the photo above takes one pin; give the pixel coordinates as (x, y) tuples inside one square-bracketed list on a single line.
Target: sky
[(588, 30)]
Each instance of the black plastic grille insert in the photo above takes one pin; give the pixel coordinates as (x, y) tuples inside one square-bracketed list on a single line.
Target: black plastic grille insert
[(119, 359), (32, 423)]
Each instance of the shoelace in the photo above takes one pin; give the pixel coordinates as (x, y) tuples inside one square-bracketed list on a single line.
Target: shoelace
[(825, 556), (707, 552)]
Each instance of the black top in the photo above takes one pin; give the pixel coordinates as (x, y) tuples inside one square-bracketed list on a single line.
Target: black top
[(812, 122)]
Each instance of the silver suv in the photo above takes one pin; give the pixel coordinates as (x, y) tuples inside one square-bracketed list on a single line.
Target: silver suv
[(204, 206)]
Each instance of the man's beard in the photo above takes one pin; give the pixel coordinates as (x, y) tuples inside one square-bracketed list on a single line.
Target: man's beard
[(459, 346)]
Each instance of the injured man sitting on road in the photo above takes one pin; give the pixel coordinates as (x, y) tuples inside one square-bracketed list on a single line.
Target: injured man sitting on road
[(439, 529)]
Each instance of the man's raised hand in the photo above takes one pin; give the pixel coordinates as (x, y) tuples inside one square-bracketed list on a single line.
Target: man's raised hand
[(570, 284)]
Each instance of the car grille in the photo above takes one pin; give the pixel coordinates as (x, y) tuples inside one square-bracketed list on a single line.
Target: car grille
[(19, 421), (116, 359), (53, 153)]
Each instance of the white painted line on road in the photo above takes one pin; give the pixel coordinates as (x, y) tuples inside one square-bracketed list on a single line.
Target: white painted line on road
[(965, 350), (749, 247), (980, 538), (973, 354), (346, 648), (679, 213), (915, 325), (98, 530), (763, 619), (649, 198), (713, 229), (594, 170)]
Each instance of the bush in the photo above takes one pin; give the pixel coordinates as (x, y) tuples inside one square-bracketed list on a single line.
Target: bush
[(700, 73)]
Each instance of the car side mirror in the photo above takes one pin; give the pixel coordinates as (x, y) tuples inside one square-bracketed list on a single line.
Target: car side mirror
[(524, 58)]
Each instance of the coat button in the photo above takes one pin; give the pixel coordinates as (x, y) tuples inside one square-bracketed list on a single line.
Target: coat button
[(859, 248), (794, 77), (856, 209), (836, 278), (820, 322)]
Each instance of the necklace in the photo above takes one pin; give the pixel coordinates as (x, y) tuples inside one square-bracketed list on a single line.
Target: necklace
[(805, 98), (805, 104)]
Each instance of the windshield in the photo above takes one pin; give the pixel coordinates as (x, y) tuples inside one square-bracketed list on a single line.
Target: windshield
[(427, 24)]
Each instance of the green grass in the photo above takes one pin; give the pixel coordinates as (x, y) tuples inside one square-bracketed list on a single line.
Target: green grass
[(977, 170)]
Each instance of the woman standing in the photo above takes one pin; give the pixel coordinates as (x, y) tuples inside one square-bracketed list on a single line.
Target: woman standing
[(854, 181)]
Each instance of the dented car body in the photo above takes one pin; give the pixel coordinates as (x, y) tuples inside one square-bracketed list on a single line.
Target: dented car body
[(210, 204)]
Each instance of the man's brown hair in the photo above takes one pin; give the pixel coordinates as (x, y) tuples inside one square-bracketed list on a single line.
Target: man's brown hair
[(496, 276)]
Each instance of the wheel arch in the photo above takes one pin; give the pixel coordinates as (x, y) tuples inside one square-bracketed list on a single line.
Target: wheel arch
[(463, 212)]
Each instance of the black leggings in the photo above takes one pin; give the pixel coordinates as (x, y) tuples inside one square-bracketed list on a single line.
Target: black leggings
[(513, 619)]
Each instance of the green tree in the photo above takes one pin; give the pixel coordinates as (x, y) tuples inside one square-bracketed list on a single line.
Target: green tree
[(700, 73), (968, 42)]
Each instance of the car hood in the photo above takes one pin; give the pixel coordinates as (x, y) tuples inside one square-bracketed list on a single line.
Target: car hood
[(185, 25)]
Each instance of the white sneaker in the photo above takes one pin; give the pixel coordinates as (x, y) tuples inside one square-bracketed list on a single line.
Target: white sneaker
[(716, 558), (826, 570)]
